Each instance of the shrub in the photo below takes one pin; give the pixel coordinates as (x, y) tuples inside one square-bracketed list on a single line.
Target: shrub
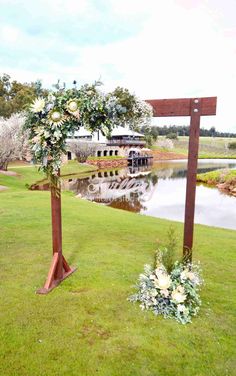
[(165, 144), (172, 136), (232, 145)]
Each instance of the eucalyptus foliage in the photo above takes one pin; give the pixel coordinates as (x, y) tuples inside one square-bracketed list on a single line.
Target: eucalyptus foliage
[(55, 117)]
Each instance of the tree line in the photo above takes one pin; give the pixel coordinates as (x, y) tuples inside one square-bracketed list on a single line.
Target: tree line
[(183, 130)]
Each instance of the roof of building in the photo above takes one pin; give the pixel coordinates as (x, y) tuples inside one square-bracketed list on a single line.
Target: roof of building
[(117, 132), (123, 131), (82, 132)]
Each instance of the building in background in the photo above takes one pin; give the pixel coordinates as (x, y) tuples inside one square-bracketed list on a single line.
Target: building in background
[(123, 142)]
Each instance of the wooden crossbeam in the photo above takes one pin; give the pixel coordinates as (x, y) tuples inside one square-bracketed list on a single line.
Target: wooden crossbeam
[(181, 107)]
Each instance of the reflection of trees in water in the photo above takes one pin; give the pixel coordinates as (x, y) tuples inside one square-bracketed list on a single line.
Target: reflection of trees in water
[(201, 170), (153, 178), (116, 188), (133, 204), (76, 185), (177, 170), (165, 173)]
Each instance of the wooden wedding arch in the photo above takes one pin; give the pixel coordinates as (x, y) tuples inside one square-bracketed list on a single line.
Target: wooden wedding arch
[(193, 107)]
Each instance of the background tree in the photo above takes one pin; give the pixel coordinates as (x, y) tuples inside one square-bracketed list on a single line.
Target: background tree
[(172, 136), (212, 131), (150, 133), (82, 150), (13, 140), (15, 96), (232, 146), (133, 112), (183, 130)]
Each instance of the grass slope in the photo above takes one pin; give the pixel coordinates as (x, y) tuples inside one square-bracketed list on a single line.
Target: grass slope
[(218, 176), (86, 326), (209, 147)]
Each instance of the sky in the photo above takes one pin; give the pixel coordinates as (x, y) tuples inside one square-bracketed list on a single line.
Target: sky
[(156, 48)]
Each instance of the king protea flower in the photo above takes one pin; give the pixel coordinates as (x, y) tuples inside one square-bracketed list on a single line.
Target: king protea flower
[(55, 117), (72, 106), (38, 105)]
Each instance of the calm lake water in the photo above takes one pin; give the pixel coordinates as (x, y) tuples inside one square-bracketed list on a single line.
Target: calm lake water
[(159, 191)]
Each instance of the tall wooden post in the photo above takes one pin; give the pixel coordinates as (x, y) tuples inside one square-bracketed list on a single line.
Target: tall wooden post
[(191, 178), (195, 108), (59, 269)]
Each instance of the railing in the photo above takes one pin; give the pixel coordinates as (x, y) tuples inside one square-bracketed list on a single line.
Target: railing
[(126, 142)]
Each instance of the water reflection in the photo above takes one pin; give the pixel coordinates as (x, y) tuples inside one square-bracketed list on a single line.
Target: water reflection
[(126, 188), (159, 190)]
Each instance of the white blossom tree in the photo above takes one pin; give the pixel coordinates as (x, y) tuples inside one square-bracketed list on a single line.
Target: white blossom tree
[(82, 150), (13, 140)]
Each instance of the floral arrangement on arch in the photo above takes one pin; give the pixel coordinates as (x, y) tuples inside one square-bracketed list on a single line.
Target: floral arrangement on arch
[(51, 119), (173, 294)]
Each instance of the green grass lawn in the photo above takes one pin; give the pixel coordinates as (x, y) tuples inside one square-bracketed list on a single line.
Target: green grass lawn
[(209, 147), (86, 326)]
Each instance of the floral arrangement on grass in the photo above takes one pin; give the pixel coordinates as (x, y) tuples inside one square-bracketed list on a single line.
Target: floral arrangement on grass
[(170, 289), (51, 119)]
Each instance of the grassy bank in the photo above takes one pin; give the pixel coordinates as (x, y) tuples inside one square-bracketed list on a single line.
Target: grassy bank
[(216, 177), (209, 147), (86, 326), (225, 180), (29, 174)]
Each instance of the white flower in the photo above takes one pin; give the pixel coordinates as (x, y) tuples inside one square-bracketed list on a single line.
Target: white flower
[(153, 293), (160, 270), (163, 282), (178, 295), (72, 105), (56, 117), (38, 105), (165, 293), (153, 277), (181, 308), (180, 289), (183, 275), (186, 274), (36, 139), (191, 276), (57, 135), (46, 134), (76, 114), (39, 131)]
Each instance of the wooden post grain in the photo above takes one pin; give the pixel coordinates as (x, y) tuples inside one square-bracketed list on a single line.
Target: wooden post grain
[(191, 178), (59, 269)]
